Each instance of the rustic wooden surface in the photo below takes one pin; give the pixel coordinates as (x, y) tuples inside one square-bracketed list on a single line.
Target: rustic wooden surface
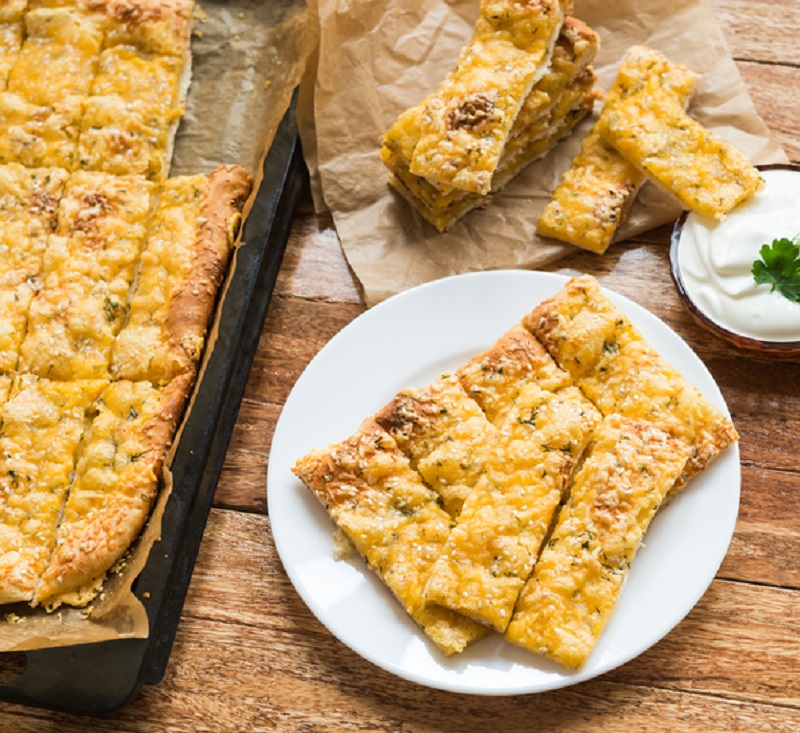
[(250, 657)]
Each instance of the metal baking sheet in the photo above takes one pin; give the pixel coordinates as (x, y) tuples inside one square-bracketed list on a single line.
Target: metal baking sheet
[(102, 677)]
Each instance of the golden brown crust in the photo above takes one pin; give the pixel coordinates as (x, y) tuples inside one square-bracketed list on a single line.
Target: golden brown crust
[(494, 377), (110, 500), (220, 213), (156, 26)]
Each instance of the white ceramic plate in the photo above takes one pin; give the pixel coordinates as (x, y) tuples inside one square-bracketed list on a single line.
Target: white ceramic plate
[(407, 341)]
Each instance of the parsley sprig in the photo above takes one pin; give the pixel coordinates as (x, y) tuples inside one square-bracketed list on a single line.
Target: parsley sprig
[(779, 267)]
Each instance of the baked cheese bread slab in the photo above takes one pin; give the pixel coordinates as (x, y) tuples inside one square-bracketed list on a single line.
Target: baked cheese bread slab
[(455, 137), (116, 480), (615, 366), (598, 189), (395, 522), (629, 468), (89, 267), (705, 173), (493, 547), (182, 266), (445, 435), (42, 424)]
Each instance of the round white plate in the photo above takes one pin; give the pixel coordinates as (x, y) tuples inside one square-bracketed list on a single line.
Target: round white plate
[(407, 341)]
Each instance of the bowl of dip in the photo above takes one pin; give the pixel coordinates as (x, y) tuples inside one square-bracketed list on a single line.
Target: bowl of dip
[(712, 266)]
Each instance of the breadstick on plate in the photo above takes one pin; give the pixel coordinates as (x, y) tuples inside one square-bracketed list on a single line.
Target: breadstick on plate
[(493, 547), (445, 435), (393, 519), (620, 372), (629, 468)]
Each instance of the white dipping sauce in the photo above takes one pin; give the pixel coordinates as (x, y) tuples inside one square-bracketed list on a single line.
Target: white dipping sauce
[(716, 259)]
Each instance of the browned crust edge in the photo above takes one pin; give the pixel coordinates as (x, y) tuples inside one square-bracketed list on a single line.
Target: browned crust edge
[(83, 558), (226, 191)]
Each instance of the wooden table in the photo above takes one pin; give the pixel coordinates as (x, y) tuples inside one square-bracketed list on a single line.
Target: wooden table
[(250, 657)]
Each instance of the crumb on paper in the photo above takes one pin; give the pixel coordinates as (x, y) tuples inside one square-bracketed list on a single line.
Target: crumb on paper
[(241, 15), (267, 84), (237, 37), (197, 33), (87, 614), (12, 618), (343, 549), (146, 594)]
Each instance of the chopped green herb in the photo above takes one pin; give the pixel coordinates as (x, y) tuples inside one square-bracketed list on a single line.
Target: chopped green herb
[(779, 267)]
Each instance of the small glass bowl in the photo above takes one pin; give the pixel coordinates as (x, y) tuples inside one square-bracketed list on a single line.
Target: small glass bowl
[(755, 347)]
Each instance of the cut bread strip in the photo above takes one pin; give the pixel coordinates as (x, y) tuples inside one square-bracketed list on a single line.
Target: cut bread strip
[(455, 137), (89, 265), (493, 547), (706, 174), (183, 263), (598, 189), (43, 422), (116, 480), (629, 468), (395, 522), (620, 372)]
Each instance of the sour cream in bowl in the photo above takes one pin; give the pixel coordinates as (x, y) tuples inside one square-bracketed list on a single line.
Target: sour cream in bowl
[(712, 267)]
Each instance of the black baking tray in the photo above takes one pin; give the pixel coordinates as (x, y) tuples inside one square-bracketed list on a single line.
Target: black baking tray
[(101, 677)]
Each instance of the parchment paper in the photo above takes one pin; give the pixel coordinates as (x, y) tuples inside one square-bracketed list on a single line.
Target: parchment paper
[(247, 58), (376, 58)]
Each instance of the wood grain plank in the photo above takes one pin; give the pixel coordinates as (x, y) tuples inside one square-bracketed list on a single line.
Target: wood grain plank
[(773, 90), (773, 38)]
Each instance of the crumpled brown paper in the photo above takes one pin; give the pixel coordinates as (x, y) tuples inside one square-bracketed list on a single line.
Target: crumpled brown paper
[(376, 58), (247, 58)]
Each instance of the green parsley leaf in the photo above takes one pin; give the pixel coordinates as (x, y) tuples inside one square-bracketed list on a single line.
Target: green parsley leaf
[(779, 267)]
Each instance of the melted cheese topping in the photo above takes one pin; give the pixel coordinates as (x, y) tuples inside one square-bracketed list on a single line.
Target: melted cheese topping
[(456, 136), (705, 173), (577, 580), (58, 57), (10, 45), (123, 138), (152, 26), (135, 76), (89, 268), (144, 349), (39, 136), (43, 422), (598, 188), (494, 545), (394, 521)]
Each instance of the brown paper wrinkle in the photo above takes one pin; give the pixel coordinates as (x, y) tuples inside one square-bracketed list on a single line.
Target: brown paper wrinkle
[(253, 75), (366, 79)]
